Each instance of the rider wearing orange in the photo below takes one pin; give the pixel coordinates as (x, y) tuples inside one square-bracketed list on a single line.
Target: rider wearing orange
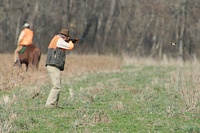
[(25, 39)]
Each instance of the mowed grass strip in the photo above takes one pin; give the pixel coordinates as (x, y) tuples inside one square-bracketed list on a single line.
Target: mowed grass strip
[(135, 98)]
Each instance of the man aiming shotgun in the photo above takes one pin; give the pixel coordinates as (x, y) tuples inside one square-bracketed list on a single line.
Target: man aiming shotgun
[(55, 63)]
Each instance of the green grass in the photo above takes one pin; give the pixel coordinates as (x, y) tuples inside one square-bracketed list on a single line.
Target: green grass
[(135, 99)]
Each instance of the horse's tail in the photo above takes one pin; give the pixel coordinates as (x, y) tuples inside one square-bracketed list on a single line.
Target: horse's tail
[(37, 57)]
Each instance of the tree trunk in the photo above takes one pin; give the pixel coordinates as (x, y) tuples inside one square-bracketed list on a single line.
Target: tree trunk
[(182, 30)]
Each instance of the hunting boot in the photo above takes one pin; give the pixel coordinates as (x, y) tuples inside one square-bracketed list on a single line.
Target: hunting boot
[(17, 63)]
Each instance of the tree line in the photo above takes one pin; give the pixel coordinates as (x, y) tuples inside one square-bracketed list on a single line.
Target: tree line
[(135, 27)]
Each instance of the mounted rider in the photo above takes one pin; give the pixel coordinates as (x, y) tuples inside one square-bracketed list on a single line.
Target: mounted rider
[(25, 39)]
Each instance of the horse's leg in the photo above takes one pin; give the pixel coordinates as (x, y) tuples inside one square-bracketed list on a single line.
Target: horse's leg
[(19, 64), (36, 61), (31, 62), (26, 66)]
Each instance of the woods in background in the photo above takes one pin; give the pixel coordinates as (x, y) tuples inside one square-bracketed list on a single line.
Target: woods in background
[(134, 27)]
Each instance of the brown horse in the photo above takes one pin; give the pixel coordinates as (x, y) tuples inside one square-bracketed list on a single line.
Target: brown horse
[(31, 56)]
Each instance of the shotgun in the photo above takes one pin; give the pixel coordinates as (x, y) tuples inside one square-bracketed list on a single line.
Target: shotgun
[(74, 40)]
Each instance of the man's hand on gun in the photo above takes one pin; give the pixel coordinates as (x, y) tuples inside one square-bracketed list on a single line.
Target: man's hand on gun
[(73, 40)]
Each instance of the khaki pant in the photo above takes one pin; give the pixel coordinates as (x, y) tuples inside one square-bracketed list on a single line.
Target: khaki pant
[(16, 53), (53, 97)]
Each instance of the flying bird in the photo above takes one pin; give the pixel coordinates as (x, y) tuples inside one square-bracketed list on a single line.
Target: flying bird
[(173, 43)]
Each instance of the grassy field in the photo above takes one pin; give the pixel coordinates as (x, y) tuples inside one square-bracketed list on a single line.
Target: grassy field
[(103, 94)]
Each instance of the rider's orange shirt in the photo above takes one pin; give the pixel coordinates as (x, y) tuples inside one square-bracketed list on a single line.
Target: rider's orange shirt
[(28, 37)]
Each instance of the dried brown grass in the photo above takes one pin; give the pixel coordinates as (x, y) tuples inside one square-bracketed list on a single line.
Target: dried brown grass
[(184, 79), (12, 77), (186, 82)]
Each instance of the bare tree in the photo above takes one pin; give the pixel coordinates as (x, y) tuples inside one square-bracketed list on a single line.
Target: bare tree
[(135, 27)]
